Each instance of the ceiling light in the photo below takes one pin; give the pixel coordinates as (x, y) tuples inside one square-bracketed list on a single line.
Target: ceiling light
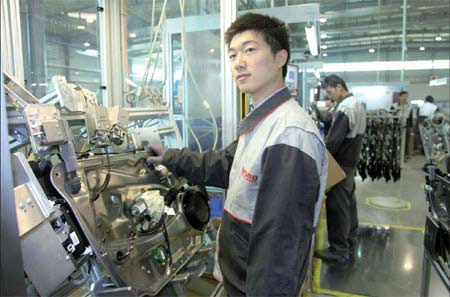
[(323, 47), (311, 36), (211, 50), (132, 35), (74, 15), (323, 35), (438, 38), (88, 52), (323, 20), (86, 44), (421, 48), (325, 54), (372, 50), (81, 27)]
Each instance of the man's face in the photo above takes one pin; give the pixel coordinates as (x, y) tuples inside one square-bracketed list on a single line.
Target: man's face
[(335, 93), (404, 99), (253, 65)]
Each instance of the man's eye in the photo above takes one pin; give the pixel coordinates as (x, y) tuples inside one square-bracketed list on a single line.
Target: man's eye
[(249, 50), (232, 56)]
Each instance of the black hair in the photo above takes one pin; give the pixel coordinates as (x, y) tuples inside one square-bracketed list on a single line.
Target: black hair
[(273, 31), (403, 92), (333, 80), (429, 99)]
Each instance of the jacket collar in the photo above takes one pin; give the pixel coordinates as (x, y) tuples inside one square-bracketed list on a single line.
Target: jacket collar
[(263, 110), (342, 100)]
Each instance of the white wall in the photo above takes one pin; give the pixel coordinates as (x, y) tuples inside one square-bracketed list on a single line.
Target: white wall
[(420, 91)]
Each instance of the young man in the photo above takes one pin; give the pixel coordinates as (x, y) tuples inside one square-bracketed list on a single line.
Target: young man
[(275, 172), (343, 141)]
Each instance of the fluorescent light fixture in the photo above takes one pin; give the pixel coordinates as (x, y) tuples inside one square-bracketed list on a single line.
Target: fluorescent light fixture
[(323, 35), (74, 15), (211, 50), (438, 38), (311, 36), (323, 20), (421, 48), (132, 35), (81, 27), (43, 84), (88, 52), (86, 44), (77, 73), (372, 50), (384, 66), (439, 82), (88, 16), (325, 54), (323, 47)]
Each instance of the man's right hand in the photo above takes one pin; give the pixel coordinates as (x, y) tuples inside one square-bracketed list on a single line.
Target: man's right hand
[(156, 155)]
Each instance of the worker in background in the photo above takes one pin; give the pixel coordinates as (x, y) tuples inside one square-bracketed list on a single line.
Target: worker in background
[(275, 172), (427, 109), (403, 109), (344, 141)]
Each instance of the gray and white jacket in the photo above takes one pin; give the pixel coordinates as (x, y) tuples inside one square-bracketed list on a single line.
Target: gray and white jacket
[(275, 174), (344, 139)]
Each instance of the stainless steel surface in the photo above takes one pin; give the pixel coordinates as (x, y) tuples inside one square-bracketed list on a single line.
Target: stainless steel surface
[(45, 127), (23, 175), (11, 265), (132, 257), (17, 92), (28, 214), (46, 262)]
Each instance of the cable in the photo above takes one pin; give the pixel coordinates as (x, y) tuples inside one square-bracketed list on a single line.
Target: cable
[(188, 67), (106, 181), (147, 67), (166, 237), (200, 150)]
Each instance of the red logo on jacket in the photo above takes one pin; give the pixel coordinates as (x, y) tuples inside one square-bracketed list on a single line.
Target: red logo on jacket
[(248, 176)]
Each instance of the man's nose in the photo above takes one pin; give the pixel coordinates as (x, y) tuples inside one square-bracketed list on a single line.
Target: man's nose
[(239, 62)]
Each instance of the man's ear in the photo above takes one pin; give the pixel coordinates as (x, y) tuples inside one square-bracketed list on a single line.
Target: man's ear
[(281, 57)]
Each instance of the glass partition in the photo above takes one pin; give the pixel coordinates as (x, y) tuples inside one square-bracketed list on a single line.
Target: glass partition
[(60, 37), (174, 47)]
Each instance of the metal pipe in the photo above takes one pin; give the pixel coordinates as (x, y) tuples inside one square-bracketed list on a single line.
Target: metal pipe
[(402, 72)]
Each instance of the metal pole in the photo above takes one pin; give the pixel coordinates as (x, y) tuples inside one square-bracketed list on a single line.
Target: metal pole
[(403, 40), (230, 106), (305, 102)]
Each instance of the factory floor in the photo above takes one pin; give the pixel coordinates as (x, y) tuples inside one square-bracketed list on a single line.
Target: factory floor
[(389, 254)]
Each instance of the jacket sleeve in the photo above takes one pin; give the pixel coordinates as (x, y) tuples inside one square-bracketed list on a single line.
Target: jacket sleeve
[(282, 224), (338, 130), (206, 169)]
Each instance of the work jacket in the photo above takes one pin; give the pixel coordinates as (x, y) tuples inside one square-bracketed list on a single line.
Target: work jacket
[(344, 139), (275, 174)]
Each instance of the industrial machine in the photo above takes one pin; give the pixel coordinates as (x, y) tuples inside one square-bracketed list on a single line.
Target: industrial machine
[(90, 209), (435, 134)]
